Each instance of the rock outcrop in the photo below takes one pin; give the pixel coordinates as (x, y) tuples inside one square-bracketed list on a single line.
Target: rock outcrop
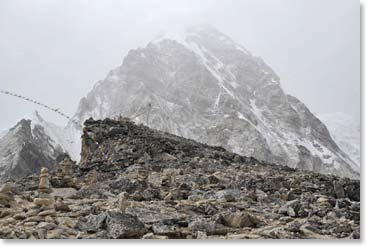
[(142, 183)]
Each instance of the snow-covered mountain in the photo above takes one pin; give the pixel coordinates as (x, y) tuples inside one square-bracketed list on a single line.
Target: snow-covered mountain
[(3, 132), (34, 143), (67, 137), (346, 132), (204, 86)]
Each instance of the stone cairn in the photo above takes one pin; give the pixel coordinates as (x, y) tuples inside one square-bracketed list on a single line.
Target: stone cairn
[(142, 174), (6, 195), (45, 201), (166, 181), (123, 201), (64, 175)]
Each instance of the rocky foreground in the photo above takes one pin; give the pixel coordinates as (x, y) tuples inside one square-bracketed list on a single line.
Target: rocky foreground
[(134, 182)]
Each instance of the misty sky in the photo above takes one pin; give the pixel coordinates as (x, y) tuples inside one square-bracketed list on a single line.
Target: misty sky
[(55, 50)]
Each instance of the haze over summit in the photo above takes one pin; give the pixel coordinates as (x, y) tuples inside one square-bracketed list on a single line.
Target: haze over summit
[(56, 51)]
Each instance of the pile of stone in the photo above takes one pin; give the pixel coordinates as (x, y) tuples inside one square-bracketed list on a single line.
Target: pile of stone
[(64, 176), (142, 174), (45, 201), (6, 195)]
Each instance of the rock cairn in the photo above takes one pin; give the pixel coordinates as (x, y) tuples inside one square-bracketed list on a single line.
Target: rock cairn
[(6, 195), (166, 181), (45, 200), (142, 174), (64, 174), (123, 201)]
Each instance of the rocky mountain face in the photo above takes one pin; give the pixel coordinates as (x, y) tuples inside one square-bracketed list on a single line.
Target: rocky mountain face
[(204, 86), (66, 137), (24, 150), (135, 182), (346, 132), (34, 143)]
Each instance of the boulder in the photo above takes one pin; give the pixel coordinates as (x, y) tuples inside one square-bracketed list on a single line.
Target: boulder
[(63, 207), (166, 230), (43, 201), (47, 226), (208, 226), (239, 220), (121, 225), (95, 222), (64, 193)]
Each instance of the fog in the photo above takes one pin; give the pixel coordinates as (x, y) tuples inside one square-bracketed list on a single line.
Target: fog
[(54, 51)]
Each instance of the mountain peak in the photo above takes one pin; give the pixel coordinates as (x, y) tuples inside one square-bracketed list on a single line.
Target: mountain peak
[(200, 84), (200, 36), (182, 33)]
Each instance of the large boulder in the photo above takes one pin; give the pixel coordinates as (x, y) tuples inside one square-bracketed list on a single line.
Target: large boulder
[(95, 222), (240, 220), (117, 225), (121, 225)]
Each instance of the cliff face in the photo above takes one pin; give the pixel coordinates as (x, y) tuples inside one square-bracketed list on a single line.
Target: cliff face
[(204, 86)]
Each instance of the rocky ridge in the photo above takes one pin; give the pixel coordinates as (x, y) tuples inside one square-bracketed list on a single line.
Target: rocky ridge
[(135, 182)]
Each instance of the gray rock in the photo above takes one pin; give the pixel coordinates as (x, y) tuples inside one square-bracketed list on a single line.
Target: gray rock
[(339, 189), (208, 226), (121, 225), (46, 226), (95, 223), (240, 220), (166, 230), (290, 212)]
